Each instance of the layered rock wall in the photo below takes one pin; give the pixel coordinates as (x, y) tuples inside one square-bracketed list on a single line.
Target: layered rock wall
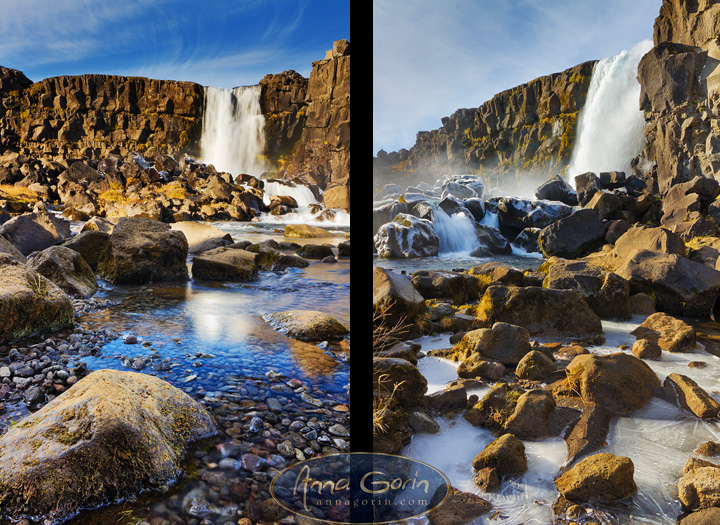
[(90, 116), (680, 79), (527, 130)]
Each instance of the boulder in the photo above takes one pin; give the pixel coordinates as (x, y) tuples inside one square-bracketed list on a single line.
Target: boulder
[(506, 455), (460, 508), (29, 302), (475, 366), (708, 516), (494, 409), (225, 264), (606, 204), (389, 373), (407, 237), (202, 237), (641, 237), (270, 259), (491, 242), (669, 333), (36, 231), (143, 250), (498, 273), (100, 224), (644, 349), (460, 287), (7, 248), (574, 236), (700, 488), (396, 297), (517, 214), (109, 437), (307, 325), (618, 382), (556, 189), (503, 342), (680, 286), (607, 294), (315, 251), (530, 419), (540, 311), (586, 185), (691, 397), (67, 269), (91, 245), (535, 366), (300, 231), (601, 478)]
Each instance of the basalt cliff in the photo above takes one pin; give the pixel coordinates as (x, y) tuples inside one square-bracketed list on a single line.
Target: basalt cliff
[(88, 117)]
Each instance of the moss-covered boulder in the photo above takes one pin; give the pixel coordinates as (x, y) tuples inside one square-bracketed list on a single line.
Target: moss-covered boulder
[(599, 478), (618, 382), (307, 325), (316, 251), (67, 269), (29, 303), (225, 264), (144, 250), (109, 437), (305, 231), (506, 455), (539, 310), (91, 245)]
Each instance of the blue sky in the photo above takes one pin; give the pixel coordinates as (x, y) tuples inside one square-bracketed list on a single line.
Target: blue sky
[(223, 43), (431, 58)]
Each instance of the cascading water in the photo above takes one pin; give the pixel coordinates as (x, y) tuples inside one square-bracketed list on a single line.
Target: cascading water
[(610, 129), (233, 137), (456, 232), (302, 194)]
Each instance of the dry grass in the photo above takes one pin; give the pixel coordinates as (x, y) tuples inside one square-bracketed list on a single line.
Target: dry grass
[(18, 193), (386, 334), (383, 401)]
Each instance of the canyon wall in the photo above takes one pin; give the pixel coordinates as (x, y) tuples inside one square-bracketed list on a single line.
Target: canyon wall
[(526, 131), (91, 116)]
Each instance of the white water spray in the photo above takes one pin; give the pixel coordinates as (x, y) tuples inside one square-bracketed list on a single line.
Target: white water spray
[(456, 232), (302, 194), (610, 129), (233, 137)]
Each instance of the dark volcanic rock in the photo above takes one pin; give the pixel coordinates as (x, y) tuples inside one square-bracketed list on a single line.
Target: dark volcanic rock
[(574, 236)]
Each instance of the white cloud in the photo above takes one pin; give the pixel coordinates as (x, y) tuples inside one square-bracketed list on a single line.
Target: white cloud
[(431, 58)]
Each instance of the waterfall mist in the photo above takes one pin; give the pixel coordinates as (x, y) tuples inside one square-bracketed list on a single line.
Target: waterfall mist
[(610, 129), (233, 136)]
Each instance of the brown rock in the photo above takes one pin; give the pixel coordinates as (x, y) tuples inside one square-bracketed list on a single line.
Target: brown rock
[(671, 334), (644, 349), (460, 508), (691, 397), (506, 455), (598, 478)]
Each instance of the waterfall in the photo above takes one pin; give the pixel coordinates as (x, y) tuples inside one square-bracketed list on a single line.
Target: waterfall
[(302, 194), (610, 128), (233, 137), (456, 232)]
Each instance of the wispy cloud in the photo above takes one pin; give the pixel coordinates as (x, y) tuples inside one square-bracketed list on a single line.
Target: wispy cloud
[(431, 58)]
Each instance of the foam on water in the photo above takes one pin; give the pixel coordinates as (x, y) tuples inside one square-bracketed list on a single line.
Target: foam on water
[(302, 194), (456, 232)]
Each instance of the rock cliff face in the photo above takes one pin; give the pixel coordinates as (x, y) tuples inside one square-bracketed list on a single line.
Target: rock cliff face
[(91, 116), (680, 81), (527, 130), (308, 123)]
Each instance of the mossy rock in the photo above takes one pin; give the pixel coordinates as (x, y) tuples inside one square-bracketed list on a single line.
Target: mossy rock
[(300, 231), (307, 325), (225, 264), (315, 251), (109, 437)]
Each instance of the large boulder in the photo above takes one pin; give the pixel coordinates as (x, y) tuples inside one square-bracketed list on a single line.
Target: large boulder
[(700, 488), (7, 248), (680, 286), (556, 189), (29, 302), (518, 214), (91, 245), (35, 231), (396, 297), (607, 294), (504, 343), (307, 325), (202, 237), (601, 478), (618, 382), (225, 264), (109, 437), (143, 250), (305, 231), (460, 508), (574, 236), (506, 455), (539, 310), (389, 373), (407, 237), (67, 269), (641, 237), (460, 287), (669, 333)]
